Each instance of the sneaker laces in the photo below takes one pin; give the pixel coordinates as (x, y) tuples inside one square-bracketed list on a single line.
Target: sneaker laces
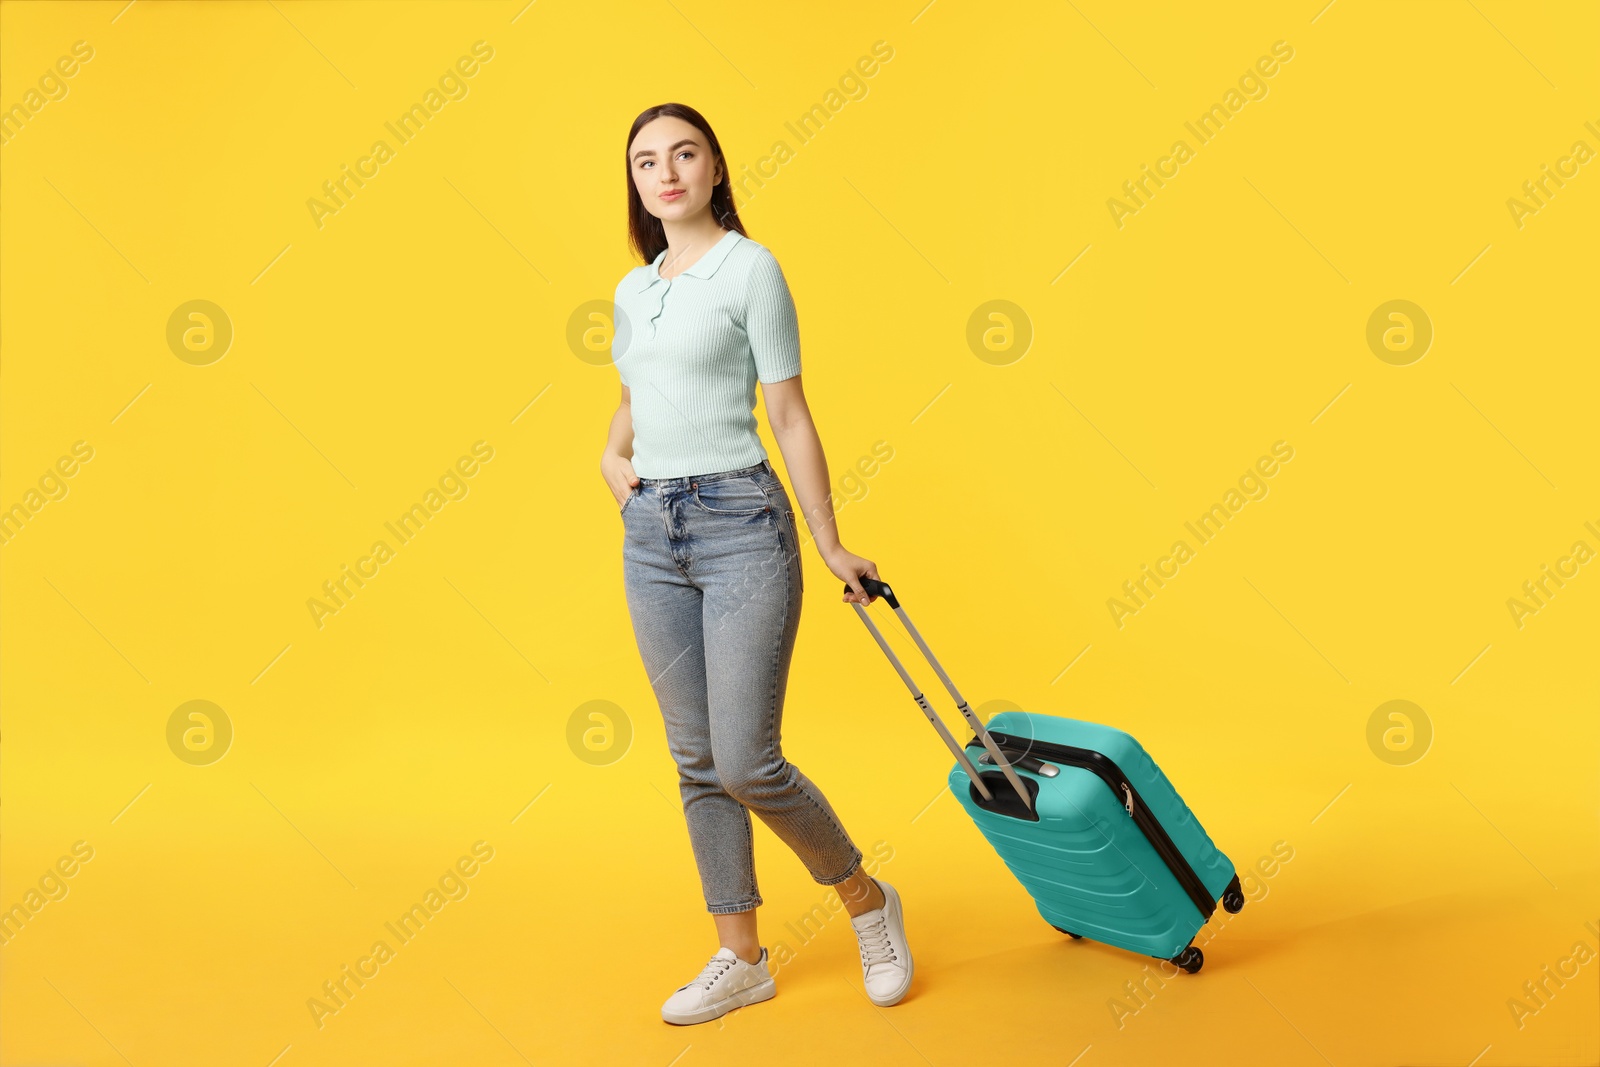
[(874, 943), (719, 966)]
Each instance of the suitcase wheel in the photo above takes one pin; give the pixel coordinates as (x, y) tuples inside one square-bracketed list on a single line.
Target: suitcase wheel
[(1190, 959), (1233, 897), (1069, 933)]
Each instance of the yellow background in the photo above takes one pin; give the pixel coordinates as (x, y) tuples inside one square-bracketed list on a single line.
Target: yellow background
[(427, 314)]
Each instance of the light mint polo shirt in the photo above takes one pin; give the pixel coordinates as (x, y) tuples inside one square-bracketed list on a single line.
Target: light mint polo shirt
[(690, 349)]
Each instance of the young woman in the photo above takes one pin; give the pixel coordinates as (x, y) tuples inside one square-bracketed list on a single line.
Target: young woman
[(711, 553)]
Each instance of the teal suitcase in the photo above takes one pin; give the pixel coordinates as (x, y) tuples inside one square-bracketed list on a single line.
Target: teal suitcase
[(1085, 819)]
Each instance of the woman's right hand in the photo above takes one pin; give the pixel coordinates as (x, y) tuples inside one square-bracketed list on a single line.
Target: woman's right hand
[(618, 473)]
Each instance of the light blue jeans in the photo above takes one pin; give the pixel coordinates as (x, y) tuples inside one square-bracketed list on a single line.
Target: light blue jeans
[(711, 566)]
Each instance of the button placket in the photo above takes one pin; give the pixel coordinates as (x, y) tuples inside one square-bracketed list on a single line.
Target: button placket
[(661, 305)]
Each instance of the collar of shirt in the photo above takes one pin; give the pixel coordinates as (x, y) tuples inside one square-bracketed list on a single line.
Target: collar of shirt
[(704, 267)]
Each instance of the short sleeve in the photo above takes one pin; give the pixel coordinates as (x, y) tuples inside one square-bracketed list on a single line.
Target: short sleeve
[(770, 321)]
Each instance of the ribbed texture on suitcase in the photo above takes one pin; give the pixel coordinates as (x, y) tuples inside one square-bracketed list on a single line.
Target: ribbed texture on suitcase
[(1086, 863)]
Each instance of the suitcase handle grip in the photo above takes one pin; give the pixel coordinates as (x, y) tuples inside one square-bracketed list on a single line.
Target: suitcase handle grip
[(873, 587)]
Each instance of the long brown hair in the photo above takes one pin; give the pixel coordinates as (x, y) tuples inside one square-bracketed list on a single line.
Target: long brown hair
[(645, 232)]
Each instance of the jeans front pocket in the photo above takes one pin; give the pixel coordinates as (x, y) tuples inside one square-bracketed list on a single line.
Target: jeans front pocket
[(731, 496)]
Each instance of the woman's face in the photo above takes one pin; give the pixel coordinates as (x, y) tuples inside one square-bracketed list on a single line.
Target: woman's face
[(672, 168)]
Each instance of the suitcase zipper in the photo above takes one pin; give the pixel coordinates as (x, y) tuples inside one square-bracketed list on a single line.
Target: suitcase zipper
[(1107, 770)]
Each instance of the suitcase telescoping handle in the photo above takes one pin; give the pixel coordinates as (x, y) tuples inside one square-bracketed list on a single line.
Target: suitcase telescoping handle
[(881, 589)]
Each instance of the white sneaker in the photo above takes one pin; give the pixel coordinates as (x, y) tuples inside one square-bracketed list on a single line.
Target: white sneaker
[(727, 982), (885, 956)]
